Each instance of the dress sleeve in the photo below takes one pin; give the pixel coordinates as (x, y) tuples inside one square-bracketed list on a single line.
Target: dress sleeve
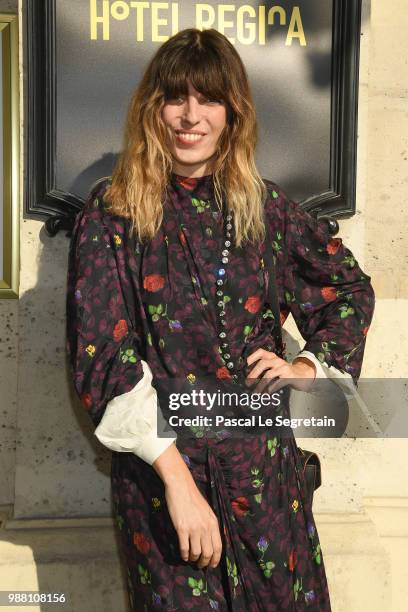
[(130, 423), (330, 297), (104, 342)]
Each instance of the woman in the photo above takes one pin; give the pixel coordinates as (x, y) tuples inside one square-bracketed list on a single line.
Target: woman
[(221, 522)]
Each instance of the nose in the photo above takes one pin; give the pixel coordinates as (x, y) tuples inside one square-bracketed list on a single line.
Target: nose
[(191, 110)]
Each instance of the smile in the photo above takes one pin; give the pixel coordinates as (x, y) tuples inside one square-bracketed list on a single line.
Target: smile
[(186, 138)]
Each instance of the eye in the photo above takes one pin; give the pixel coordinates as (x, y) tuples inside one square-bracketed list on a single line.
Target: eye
[(212, 100), (174, 99)]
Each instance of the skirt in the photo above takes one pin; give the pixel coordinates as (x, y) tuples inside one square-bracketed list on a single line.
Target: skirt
[(271, 559)]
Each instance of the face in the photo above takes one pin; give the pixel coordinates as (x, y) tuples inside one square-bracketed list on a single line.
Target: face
[(194, 124)]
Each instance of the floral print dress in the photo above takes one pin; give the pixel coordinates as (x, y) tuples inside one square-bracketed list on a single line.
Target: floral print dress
[(157, 301)]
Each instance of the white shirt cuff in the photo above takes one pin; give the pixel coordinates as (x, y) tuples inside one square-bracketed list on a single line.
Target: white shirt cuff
[(129, 423)]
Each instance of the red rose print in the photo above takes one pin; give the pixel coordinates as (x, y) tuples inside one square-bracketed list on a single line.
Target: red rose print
[(253, 304), (333, 245), (86, 400), (240, 506), (223, 373), (153, 282), (328, 293), (365, 330), (141, 542), (292, 560), (120, 330), (182, 238), (187, 183)]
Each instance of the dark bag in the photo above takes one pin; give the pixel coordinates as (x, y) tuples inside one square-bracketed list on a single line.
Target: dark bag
[(310, 461)]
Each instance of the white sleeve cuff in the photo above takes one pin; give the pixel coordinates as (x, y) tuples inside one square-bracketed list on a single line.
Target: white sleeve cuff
[(345, 381), (323, 370), (129, 423)]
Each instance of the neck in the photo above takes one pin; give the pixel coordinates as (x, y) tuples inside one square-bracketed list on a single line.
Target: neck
[(198, 170)]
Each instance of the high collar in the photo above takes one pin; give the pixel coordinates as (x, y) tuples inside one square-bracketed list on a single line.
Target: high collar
[(200, 186)]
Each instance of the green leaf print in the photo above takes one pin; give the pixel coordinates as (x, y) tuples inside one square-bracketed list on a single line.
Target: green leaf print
[(346, 311), (268, 314), (289, 297), (200, 205), (317, 554), (274, 194), (128, 355), (349, 260), (197, 586), (272, 445), (296, 588), (145, 577)]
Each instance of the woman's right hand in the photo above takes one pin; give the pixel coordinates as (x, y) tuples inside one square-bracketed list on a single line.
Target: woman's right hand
[(195, 523), (194, 520)]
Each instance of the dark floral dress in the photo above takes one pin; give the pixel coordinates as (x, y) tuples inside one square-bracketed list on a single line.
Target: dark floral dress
[(157, 302)]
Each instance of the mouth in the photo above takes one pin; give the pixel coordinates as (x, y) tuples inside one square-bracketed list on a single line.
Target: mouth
[(189, 138)]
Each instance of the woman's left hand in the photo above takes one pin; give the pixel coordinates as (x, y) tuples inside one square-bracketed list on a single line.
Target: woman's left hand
[(300, 374)]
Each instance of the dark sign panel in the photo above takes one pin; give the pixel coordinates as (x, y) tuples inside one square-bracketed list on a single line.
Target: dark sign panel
[(85, 58)]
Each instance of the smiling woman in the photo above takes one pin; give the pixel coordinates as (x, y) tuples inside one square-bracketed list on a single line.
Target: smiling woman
[(167, 280), (194, 124)]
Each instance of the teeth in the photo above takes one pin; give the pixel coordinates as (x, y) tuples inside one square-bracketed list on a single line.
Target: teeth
[(190, 136)]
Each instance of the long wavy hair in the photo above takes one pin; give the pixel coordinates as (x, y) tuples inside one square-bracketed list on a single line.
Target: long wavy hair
[(143, 169)]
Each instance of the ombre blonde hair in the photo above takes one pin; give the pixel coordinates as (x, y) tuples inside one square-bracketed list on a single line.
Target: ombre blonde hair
[(143, 169)]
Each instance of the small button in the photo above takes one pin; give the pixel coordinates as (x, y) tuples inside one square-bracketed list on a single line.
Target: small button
[(220, 281), (221, 272), (224, 345), (219, 293), (227, 243), (222, 313), (225, 253), (227, 355), (224, 260), (222, 334), (230, 365)]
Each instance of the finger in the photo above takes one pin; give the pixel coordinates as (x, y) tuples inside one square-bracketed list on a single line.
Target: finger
[(255, 355), (206, 550), (195, 546), (262, 365), (217, 546), (275, 383), (183, 544)]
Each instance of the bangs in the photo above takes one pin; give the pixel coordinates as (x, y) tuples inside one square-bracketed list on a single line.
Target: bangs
[(202, 67)]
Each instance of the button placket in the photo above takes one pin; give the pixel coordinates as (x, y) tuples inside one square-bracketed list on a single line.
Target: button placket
[(224, 346)]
